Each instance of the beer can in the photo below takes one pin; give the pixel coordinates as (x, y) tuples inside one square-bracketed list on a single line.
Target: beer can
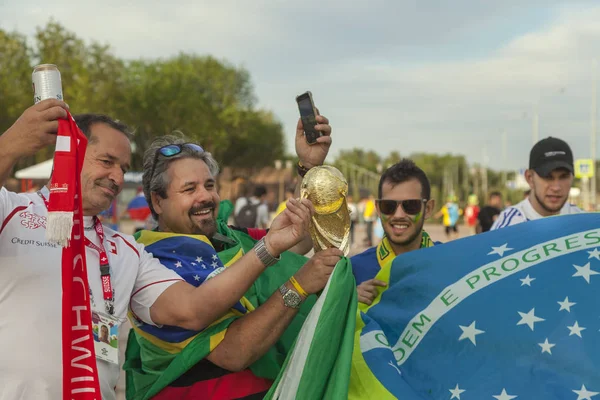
[(46, 83)]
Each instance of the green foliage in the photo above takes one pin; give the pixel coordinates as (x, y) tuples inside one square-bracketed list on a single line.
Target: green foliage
[(366, 159), (391, 159), (208, 100), (15, 77), (16, 93), (257, 137)]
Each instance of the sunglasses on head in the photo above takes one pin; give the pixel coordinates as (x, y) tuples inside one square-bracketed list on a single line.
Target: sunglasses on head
[(411, 207), (171, 150)]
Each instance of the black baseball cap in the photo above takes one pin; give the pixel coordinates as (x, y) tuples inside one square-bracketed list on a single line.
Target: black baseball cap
[(549, 154)]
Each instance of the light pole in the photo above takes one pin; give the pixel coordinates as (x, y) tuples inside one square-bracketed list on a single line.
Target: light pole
[(535, 123), (535, 118), (484, 177), (504, 143), (593, 133)]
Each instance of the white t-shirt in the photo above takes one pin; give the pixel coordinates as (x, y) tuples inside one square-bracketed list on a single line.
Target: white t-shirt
[(524, 211), (30, 296)]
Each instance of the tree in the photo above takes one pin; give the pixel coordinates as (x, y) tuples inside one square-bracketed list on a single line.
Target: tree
[(16, 92), (205, 99), (258, 141), (391, 159), (210, 101), (92, 77), (364, 158)]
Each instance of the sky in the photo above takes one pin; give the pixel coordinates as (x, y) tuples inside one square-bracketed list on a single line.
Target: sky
[(451, 76)]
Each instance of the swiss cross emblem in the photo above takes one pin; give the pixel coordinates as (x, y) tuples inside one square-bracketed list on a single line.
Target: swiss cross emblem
[(103, 259), (32, 221), (113, 246)]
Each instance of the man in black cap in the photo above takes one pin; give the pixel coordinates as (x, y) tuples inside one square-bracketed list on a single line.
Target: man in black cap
[(550, 176)]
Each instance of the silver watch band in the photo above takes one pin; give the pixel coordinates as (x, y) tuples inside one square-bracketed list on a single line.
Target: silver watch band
[(263, 254)]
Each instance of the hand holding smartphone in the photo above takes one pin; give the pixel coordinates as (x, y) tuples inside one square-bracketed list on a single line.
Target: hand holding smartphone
[(308, 115)]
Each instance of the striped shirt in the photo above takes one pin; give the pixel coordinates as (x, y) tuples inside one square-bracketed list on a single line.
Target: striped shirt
[(524, 211)]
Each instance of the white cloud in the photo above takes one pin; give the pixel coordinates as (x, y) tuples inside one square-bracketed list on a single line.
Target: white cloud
[(462, 105), (390, 74)]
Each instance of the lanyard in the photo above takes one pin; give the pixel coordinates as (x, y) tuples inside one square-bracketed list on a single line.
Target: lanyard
[(107, 290)]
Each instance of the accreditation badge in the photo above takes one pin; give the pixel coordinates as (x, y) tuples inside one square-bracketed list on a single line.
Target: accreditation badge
[(106, 337)]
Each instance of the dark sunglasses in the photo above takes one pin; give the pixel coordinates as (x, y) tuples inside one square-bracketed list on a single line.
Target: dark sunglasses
[(171, 150), (411, 207)]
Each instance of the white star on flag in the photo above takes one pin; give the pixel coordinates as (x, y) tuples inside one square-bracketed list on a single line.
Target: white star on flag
[(500, 250), (504, 396), (456, 392), (193, 263), (565, 305), (585, 272), (198, 259), (546, 347), (594, 254), (214, 264), (469, 332), (203, 266), (214, 256), (196, 277), (178, 264), (585, 394), (576, 329), (529, 318), (527, 281)]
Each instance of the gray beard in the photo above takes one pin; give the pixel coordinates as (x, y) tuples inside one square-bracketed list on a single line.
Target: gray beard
[(207, 228)]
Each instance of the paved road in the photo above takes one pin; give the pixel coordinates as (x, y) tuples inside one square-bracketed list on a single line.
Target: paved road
[(435, 231)]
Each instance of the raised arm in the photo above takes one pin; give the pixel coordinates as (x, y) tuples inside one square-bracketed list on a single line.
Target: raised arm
[(315, 154), (311, 156), (35, 129)]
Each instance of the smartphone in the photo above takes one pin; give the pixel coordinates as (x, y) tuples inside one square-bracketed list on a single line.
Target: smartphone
[(308, 114)]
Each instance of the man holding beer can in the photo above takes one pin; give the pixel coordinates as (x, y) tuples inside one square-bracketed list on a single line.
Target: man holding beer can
[(30, 266)]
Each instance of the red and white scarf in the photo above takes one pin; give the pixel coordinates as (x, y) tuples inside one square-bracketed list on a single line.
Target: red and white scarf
[(65, 227)]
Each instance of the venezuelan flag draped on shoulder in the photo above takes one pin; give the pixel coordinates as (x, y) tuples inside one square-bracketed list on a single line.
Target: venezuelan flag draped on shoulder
[(510, 314), (157, 357)]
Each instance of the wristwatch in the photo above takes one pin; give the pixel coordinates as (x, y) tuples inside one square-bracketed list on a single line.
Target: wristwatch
[(263, 254), (301, 169), (291, 298)]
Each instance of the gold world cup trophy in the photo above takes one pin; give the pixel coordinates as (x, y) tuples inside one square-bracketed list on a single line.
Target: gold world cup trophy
[(326, 188)]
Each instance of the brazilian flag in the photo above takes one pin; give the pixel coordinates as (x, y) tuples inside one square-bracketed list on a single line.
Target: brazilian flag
[(509, 314), (157, 357)]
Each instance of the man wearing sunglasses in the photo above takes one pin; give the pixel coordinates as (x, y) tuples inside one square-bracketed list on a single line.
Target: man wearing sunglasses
[(30, 266), (403, 205)]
